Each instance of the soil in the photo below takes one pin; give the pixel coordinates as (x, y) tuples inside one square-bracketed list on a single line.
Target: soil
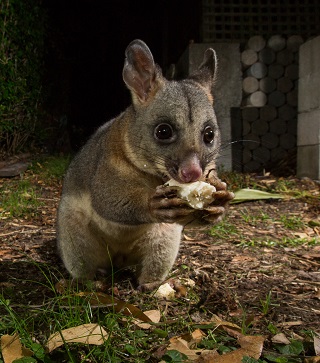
[(235, 269)]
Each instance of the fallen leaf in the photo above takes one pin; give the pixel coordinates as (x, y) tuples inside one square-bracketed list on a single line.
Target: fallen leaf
[(181, 345), (12, 349), (312, 360), (316, 344), (119, 306), (247, 194), (251, 346), (280, 338), (193, 338), (153, 315), (188, 238), (86, 334), (231, 328), (301, 235), (291, 323)]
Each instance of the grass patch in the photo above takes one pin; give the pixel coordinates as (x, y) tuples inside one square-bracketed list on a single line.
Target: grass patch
[(281, 242), (127, 342), (223, 230), (254, 219), (20, 200), (49, 167), (292, 222), (72, 307), (21, 197)]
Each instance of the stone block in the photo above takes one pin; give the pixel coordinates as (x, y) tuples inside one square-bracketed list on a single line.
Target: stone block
[(308, 161), (308, 130), (309, 57), (309, 95)]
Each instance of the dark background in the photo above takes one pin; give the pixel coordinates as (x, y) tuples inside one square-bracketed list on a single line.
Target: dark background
[(85, 53)]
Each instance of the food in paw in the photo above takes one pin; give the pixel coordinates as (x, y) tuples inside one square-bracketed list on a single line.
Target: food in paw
[(198, 194)]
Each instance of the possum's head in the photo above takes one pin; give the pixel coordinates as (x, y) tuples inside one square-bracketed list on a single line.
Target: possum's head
[(174, 133)]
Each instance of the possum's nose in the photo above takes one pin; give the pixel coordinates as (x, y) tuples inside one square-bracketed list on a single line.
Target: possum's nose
[(190, 169)]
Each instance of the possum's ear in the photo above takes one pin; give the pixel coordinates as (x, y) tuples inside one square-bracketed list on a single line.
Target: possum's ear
[(141, 75), (206, 73)]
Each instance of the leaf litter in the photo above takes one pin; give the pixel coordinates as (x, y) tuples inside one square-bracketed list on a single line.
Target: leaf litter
[(234, 269)]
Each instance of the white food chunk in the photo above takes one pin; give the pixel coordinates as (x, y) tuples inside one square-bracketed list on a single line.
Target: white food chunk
[(198, 194), (165, 291)]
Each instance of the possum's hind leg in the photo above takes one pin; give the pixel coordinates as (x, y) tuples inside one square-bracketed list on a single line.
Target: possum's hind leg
[(159, 249), (82, 249)]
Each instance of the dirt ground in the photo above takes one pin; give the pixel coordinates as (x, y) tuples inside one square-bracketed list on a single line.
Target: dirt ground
[(233, 276)]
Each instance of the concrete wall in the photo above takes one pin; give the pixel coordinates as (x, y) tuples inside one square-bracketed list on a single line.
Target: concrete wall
[(227, 90), (308, 139)]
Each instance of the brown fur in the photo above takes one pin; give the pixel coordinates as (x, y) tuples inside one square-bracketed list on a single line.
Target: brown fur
[(114, 208)]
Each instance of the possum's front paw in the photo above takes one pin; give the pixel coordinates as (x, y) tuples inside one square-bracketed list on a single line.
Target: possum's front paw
[(215, 210), (165, 205)]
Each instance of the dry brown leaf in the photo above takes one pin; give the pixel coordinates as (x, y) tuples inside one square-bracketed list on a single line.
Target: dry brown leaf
[(153, 315), (291, 323), (12, 349), (316, 344), (312, 360), (181, 345), (86, 334), (193, 338), (251, 346), (280, 338), (101, 299), (301, 235), (231, 328), (188, 238)]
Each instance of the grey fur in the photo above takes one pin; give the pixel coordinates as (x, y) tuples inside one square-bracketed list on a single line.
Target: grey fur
[(114, 208)]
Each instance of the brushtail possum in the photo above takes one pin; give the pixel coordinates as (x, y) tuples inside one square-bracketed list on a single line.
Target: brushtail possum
[(116, 208)]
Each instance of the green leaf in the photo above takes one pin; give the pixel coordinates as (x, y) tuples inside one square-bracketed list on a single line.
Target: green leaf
[(247, 194), (160, 333), (273, 329), (174, 356), (294, 348), (25, 360), (38, 350), (130, 349), (224, 349), (252, 360), (273, 358)]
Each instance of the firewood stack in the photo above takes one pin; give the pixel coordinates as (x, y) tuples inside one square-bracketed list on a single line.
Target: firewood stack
[(269, 107)]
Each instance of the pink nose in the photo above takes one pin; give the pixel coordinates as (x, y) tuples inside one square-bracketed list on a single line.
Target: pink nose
[(190, 169), (190, 175)]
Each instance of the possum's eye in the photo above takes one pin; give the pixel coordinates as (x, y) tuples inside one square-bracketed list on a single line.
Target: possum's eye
[(164, 132), (208, 135)]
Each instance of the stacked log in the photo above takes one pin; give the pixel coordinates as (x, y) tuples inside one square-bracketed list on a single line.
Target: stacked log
[(269, 107)]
